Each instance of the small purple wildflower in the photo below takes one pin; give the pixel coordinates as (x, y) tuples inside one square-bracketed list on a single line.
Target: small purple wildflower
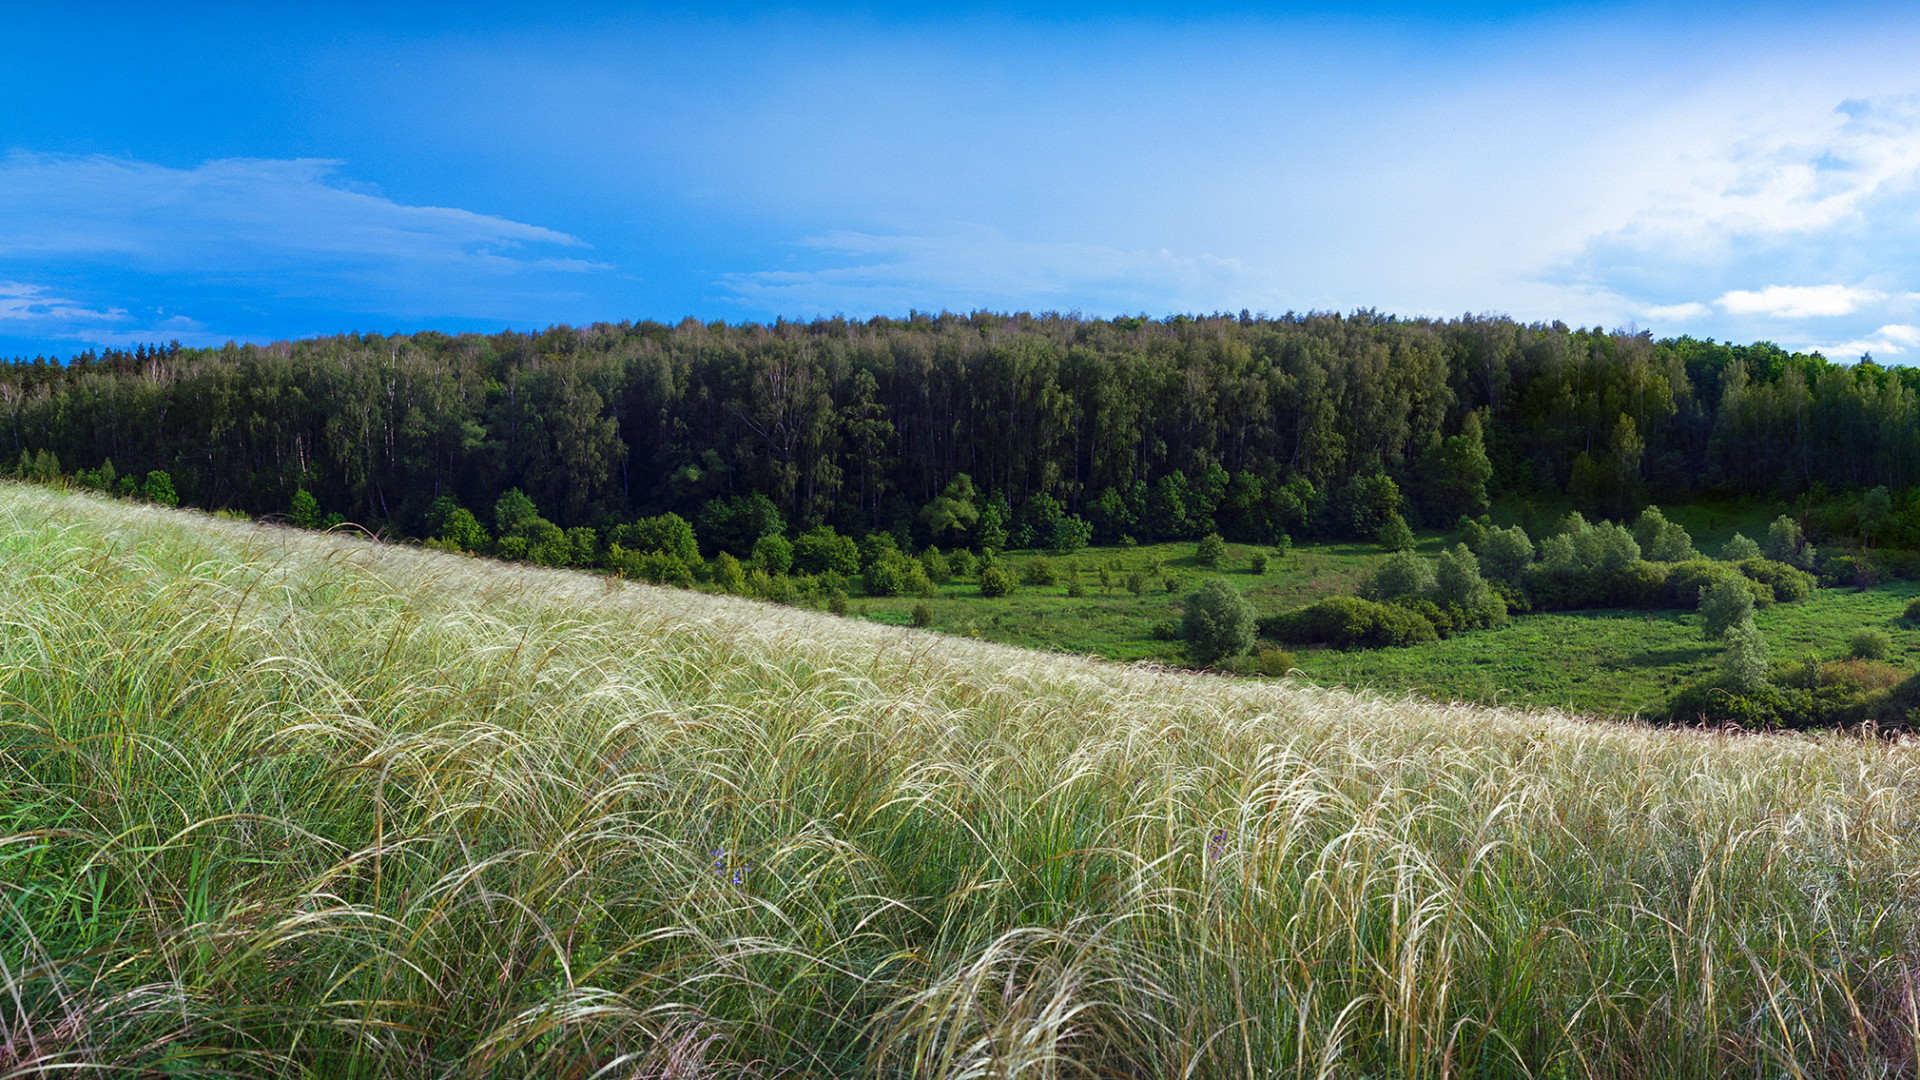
[(1217, 845), (723, 866)]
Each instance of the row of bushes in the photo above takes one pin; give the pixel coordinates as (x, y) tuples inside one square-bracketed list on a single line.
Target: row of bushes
[(1811, 694), (44, 468), (1350, 622), (1642, 584)]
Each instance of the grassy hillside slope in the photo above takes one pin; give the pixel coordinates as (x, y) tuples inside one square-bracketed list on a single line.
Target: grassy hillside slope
[(279, 803)]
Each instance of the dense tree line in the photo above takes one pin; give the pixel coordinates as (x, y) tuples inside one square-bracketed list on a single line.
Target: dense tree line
[(954, 428)]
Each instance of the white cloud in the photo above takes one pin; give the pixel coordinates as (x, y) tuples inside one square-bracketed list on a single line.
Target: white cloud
[(1686, 312), (1793, 174), (29, 311), (1799, 301), (21, 302), (1792, 194), (277, 232), (1906, 336), (966, 267), (52, 205), (1890, 340)]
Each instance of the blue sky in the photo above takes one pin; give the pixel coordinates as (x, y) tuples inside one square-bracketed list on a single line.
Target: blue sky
[(233, 172)]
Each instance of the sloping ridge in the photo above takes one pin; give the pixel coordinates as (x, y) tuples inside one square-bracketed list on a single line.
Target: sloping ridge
[(284, 800)]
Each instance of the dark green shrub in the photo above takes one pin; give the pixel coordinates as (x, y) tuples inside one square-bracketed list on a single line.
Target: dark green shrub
[(960, 563), (1210, 550), (1869, 644), (511, 511), (820, 550), (1902, 564), (1438, 616), (1724, 605), (1830, 694), (895, 574), (936, 565), (773, 554), (1039, 570), (159, 489), (1712, 704), (1472, 533), (1565, 587), (659, 567), (995, 582), (728, 573), (1218, 622), (1639, 585), (1787, 583), (1164, 630), (461, 530), (1851, 571), (666, 532), (1348, 622), (1402, 574), (877, 546), (1257, 563), (1685, 580), (1395, 535), (923, 614), (1273, 662), (304, 512), (1913, 609), (837, 601), (1899, 710), (1506, 554)]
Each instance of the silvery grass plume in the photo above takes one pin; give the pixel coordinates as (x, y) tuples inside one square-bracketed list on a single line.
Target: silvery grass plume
[(289, 804)]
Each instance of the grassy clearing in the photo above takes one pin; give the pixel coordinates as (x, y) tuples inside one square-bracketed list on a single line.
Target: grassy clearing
[(285, 804), (1613, 663), (1619, 663)]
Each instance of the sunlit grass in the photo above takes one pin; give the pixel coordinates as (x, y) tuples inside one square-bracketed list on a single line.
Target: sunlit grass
[(286, 804)]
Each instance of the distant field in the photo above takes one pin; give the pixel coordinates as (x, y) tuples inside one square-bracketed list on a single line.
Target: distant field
[(285, 804), (1613, 663)]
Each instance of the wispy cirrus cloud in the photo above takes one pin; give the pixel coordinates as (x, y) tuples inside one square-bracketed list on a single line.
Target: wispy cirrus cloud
[(144, 243), (36, 312), (246, 210), (21, 302)]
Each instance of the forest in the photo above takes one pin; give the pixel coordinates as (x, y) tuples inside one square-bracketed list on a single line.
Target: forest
[(1254, 427)]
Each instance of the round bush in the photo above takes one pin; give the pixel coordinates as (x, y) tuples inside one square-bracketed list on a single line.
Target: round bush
[(1218, 622), (1913, 609), (1869, 645), (995, 582), (923, 614), (1039, 571), (1210, 550)]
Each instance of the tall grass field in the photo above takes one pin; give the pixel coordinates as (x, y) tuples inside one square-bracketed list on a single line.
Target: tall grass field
[(276, 803)]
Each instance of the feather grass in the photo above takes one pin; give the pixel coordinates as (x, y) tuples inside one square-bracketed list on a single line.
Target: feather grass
[(281, 803)]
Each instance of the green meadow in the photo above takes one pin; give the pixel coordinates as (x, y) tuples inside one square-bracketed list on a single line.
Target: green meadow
[(1617, 663)]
